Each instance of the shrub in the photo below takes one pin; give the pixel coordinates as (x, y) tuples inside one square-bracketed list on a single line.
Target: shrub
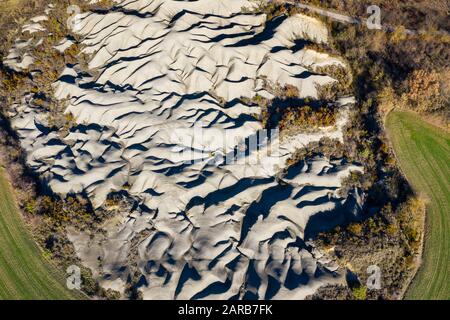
[(360, 293), (341, 87), (392, 229), (30, 206), (355, 228), (426, 92), (111, 294), (306, 117), (291, 91)]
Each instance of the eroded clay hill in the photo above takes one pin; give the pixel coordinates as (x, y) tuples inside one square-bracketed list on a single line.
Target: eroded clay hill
[(162, 115)]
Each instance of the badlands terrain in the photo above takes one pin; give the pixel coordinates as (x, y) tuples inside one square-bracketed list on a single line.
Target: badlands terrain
[(163, 115)]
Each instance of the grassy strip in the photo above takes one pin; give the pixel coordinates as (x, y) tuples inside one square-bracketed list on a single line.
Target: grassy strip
[(24, 272), (424, 154)]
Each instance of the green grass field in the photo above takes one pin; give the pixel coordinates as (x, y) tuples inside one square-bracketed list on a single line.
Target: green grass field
[(24, 272), (424, 154)]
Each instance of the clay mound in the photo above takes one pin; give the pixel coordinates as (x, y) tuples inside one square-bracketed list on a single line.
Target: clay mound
[(164, 116)]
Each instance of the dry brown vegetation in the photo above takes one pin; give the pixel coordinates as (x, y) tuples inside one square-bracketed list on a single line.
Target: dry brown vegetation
[(395, 59), (413, 14), (291, 114), (305, 118), (365, 141), (427, 91), (391, 240), (384, 72), (413, 67)]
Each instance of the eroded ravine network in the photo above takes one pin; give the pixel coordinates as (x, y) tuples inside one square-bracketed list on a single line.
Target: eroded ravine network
[(163, 119)]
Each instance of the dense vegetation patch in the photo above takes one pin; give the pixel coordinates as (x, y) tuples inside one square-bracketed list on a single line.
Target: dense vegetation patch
[(390, 240)]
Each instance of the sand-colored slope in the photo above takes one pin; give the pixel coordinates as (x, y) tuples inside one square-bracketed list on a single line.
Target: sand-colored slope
[(424, 154), (160, 114), (24, 273)]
